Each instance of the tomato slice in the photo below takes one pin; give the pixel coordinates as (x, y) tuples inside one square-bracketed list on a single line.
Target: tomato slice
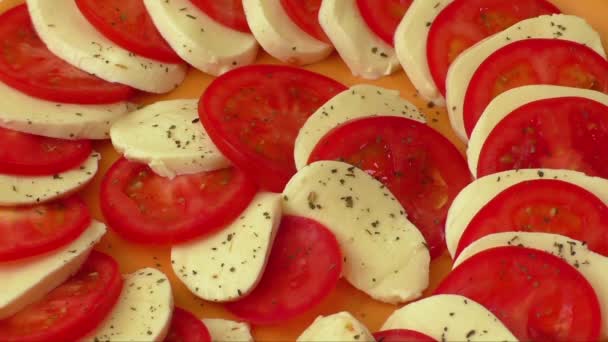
[(402, 335), (533, 206), (422, 168), (29, 231), (533, 61), (383, 16), (185, 327), (227, 12), (144, 207), (558, 133), (128, 24), (538, 296), (305, 13), (27, 154), (73, 309), (303, 268), (28, 66), (254, 113), (465, 22)]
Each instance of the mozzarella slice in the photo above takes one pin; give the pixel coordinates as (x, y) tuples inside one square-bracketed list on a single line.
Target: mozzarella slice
[(69, 35), (505, 103), (341, 326), (198, 39), (357, 102), (280, 36), (27, 190), (222, 330), (461, 71), (593, 266), (143, 311), (412, 53), (477, 194), (229, 264), (57, 120), (450, 318), (366, 54), (365, 218), (169, 138), (29, 280)]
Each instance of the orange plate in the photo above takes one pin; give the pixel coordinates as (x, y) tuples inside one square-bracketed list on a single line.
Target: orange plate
[(345, 297)]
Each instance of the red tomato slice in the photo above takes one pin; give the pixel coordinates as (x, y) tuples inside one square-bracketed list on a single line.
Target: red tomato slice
[(539, 297), (73, 309), (185, 327), (146, 208), (465, 22), (303, 268), (227, 12), (254, 113), (27, 154), (28, 231), (28, 66), (533, 206), (420, 167), (559, 133), (402, 335), (383, 16), (533, 61), (305, 13), (128, 24)]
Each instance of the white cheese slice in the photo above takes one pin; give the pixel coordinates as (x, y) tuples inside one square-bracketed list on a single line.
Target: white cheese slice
[(341, 326), (227, 265), (547, 26), (505, 103), (223, 330), (26, 190), (198, 39), (412, 53), (450, 318), (593, 266), (357, 102), (143, 311), (369, 224), (366, 54), (28, 280), (68, 34), (280, 36), (167, 136), (477, 194), (23, 113)]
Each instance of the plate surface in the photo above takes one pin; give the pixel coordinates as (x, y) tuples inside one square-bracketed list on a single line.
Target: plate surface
[(345, 297)]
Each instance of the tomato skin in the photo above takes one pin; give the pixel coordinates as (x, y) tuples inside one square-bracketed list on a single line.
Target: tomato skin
[(419, 166), (533, 206), (128, 24), (305, 14), (533, 61), (304, 266), (261, 141), (185, 327), (464, 23), (557, 133), (402, 335), (227, 12), (30, 231), (72, 310), (28, 154), (27, 65), (145, 208), (383, 16), (538, 296)]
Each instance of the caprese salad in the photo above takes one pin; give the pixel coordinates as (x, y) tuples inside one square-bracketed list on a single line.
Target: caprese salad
[(277, 184)]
